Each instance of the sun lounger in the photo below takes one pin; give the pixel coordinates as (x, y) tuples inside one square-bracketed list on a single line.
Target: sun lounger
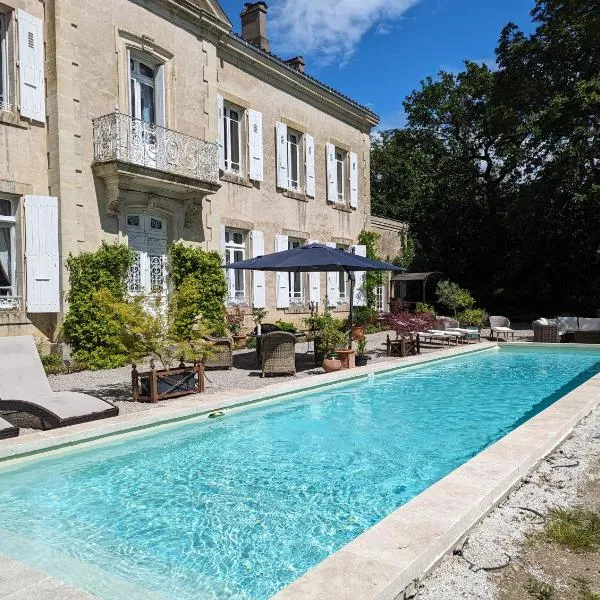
[(7, 430), (24, 388), (501, 326)]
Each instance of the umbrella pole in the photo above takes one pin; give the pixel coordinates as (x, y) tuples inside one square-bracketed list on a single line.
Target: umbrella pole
[(351, 315)]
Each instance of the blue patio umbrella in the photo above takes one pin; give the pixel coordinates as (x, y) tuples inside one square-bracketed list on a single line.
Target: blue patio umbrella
[(315, 258)]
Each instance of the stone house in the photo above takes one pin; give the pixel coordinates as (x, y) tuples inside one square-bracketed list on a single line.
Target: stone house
[(151, 121)]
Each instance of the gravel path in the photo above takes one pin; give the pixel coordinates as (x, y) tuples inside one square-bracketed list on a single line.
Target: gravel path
[(556, 483)]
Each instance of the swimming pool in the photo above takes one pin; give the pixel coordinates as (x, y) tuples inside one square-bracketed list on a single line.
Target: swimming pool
[(238, 507)]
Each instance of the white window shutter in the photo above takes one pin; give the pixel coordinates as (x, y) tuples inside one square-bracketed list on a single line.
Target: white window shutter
[(282, 278), (309, 149), (159, 93), (259, 297), (42, 254), (332, 282), (314, 283), (221, 131), (31, 67), (282, 158), (255, 145), (331, 173), (353, 180), (359, 277)]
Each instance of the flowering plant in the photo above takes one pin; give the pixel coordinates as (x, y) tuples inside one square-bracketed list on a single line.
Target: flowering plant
[(235, 320), (404, 322)]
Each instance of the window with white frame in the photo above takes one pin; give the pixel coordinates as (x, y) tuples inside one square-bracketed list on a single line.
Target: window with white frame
[(142, 82), (232, 138), (293, 157), (147, 237), (8, 267), (236, 242), (296, 280), (343, 286), (379, 297), (340, 164), (5, 92)]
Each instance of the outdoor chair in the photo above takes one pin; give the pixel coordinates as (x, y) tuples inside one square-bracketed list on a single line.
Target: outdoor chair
[(278, 353), (221, 353), (24, 388), (7, 430), (501, 326)]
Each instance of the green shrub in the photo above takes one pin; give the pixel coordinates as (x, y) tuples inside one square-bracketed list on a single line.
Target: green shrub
[(319, 322), (473, 316), (452, 296), (423, 307), (365, 315), (53, 364), (286, 326), (203, 270), (92, 332), (372, 278), (251, 342)]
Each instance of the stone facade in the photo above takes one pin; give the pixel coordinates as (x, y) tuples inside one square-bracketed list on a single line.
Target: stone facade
[(136, 149)]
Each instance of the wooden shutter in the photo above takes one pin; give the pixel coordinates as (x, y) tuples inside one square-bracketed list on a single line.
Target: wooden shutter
[(314, 283), (282, 278), (331, 173), (332, 282), (282, 159), (31, 67), (41, 254), (221, 132), (255, 145), (359, 277), (309, 149), (353, 180), (259, 298), (159, 94)]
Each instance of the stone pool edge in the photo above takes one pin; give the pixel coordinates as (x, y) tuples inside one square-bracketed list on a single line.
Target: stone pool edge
[(387, 561), (175, 412)]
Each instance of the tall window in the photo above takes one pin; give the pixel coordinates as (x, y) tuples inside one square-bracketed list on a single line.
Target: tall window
[(342, 281), (340, 162), (296, 284), (142, 90), (147, 237), (293, 156), (7, 251), (232, 142), (235, 249), (5, 103), (379, 297)]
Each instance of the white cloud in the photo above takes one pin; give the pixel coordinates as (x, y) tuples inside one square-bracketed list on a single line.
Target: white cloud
[(330, 29)]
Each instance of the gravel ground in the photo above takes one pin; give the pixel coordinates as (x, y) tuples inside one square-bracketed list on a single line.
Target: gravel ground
[(556, 483)]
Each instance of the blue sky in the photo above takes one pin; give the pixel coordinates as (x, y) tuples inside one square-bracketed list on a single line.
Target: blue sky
[(377, 51)]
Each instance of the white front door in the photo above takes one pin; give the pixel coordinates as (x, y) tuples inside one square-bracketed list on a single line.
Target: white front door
[(147, 237)]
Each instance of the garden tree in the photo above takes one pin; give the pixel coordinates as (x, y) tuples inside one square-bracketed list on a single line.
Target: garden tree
[(497, 171)]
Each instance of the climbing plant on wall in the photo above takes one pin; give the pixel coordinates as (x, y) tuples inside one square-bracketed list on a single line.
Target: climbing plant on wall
[(372, 279)]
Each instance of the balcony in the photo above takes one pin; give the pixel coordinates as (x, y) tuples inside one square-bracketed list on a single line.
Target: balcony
[(152, 158)]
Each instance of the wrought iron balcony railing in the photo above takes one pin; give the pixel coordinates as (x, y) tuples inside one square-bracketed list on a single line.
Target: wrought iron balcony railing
[(119, 137)]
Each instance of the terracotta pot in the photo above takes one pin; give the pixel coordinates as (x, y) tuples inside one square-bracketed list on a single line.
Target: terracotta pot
[(332, 364), (358, 332), (239, 341)]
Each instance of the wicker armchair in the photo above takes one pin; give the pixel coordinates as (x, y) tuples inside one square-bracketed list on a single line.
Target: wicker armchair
[(278, 353), (545, 332), (221, 356)]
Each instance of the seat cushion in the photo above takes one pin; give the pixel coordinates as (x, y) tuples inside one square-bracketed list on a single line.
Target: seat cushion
[(567, 324), (589, 324)]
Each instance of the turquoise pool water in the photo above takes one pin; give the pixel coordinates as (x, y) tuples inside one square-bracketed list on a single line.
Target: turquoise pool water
[(238, 507)]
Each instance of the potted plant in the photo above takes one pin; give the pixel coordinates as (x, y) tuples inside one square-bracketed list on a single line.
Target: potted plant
[(258, 316), (235, 322), (331, 338), (146, 330), (361, 357)]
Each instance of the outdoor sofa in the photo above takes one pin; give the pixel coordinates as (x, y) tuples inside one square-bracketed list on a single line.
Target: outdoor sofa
[(579, 330), (24, 388)]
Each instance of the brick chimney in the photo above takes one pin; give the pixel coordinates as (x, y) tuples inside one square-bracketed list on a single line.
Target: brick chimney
[(254, 24), (297, 63)]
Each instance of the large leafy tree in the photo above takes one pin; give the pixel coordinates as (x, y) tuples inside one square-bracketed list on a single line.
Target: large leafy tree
[(497, 170)]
